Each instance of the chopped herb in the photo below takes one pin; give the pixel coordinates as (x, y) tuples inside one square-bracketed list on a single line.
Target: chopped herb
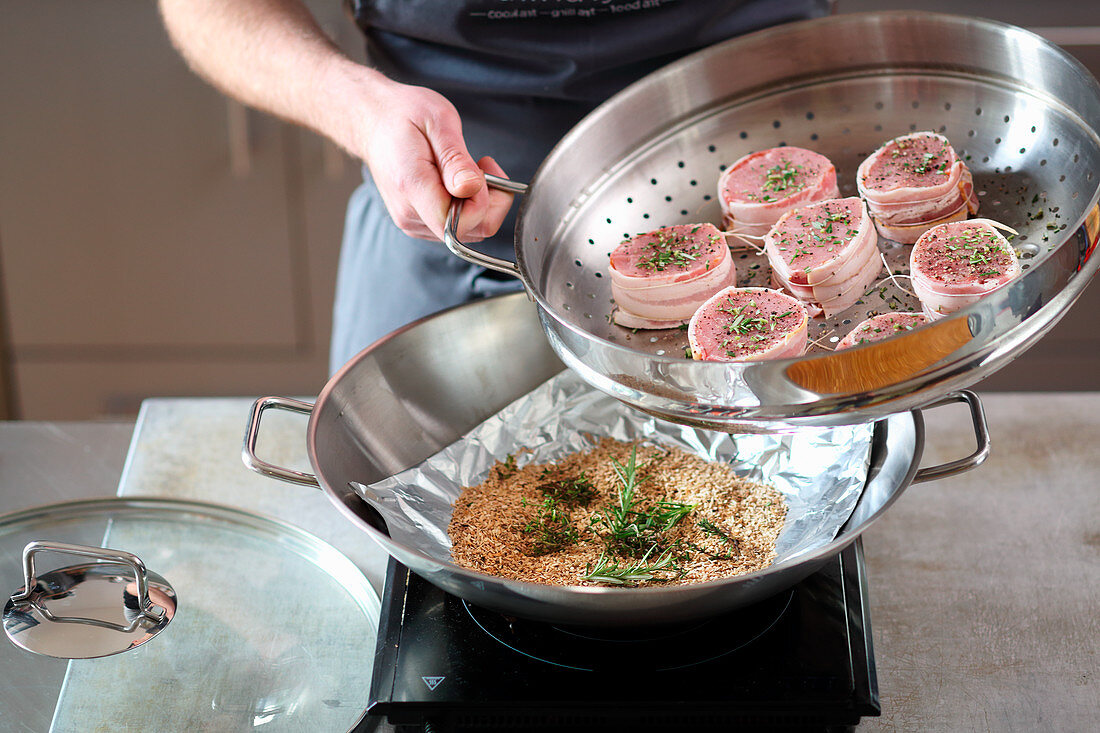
[(670, 249), (781, 177)]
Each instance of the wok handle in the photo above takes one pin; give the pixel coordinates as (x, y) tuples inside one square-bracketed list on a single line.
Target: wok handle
[(450, 230), (252, 434), (981, 434)]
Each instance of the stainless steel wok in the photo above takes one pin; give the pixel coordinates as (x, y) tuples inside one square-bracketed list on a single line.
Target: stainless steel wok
[(1022, 113), (425, 386)]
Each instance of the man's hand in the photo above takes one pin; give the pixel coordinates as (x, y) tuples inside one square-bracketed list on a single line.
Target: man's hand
[(411, 139)]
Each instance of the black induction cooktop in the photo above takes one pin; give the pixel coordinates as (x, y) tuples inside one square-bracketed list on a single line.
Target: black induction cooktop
[(801, 660)]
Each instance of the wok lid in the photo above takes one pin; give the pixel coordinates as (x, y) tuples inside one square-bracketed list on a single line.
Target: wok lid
[(271, 626)]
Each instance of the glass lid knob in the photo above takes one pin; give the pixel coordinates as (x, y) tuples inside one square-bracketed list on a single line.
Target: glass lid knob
[(94, 609)]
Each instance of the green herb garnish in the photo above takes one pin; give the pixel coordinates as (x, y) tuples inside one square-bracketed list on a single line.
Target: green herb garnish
[(781, 177), (670, 250)]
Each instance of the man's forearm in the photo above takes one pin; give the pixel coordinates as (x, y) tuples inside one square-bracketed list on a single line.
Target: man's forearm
[(271, 54)]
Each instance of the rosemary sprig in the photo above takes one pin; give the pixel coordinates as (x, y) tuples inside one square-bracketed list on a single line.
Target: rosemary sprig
[(609, 571), (619, 519), (713, 529), (667, 513), (628, 530)]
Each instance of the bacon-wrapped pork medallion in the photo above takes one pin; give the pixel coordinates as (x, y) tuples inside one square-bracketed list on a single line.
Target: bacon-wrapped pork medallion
[(825, 254), (954, 265), (881, 326), (913, 183), (763, 186), (748, 324), (660, 278)]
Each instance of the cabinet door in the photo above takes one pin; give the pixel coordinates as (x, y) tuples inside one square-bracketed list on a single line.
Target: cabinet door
[(124, 228), (129, 238)]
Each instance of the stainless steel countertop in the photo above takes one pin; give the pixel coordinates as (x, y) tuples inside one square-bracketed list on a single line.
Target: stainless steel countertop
[(48, 462), (983, 587)]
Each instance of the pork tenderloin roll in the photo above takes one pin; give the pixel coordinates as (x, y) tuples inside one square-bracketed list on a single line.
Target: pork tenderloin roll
[(825, 254), (915, 182), (955, 265), (660, 278), (748, 324), (763, 186), (881, 326)]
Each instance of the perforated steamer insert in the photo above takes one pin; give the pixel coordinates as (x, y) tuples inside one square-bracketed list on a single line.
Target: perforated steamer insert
[(846, 120), (1019, 111)]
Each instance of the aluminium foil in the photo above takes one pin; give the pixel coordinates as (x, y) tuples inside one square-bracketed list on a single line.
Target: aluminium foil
[(820, 471)]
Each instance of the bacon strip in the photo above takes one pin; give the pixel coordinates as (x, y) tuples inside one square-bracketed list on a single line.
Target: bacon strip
[(676, 300)]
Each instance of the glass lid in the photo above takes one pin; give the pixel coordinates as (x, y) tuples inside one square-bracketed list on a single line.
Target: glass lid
[(273, 628)]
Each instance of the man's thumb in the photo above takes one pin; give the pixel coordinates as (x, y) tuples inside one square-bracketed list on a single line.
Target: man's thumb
[(461, 175)]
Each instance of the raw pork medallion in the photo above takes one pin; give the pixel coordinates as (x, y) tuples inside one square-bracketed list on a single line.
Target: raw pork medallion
[(881, 326), (954, 265), (748, 324), (825, 254), (913, 183), (763, 186), (660, 278)]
